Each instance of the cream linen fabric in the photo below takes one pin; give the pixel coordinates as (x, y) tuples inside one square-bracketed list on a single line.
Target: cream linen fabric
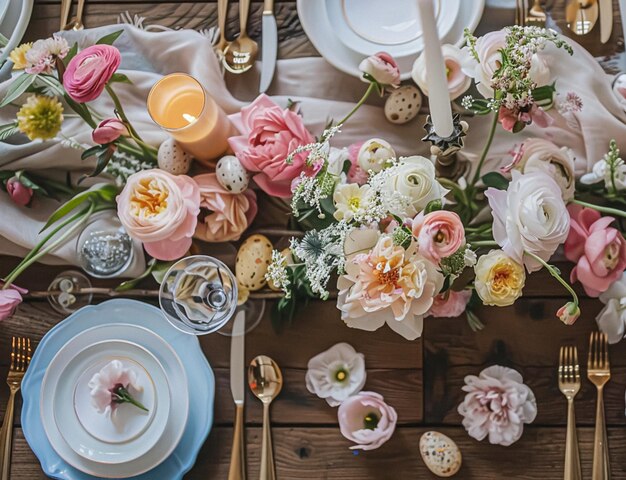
[(324, 93)]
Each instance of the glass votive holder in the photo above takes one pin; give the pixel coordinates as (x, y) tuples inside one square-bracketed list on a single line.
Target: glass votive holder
[(181, 106)]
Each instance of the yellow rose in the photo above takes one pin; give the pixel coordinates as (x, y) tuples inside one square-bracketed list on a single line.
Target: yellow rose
[(499, 279)]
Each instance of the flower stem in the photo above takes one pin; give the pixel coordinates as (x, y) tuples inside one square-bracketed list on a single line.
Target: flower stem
[(556, 275), (610, 211), (122, 395), (484, 243), (368, 92), (483, 157)]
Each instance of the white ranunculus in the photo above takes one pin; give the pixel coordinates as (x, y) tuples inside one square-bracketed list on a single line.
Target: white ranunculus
[(336, 374), (530, 216), (458, 80), (375, 154), (415, 178), (544, 156), (612, 319)]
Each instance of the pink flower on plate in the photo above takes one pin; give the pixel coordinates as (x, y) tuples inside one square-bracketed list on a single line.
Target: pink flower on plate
[(89, 71), (383, 68), (112, 385), (10, 298), (598, 250), (19, 193), (108, 131), (161, 210), (439, 234), (451, 304), (497, 405), (515, 120), (228, 214), (268, 135), (366, 420)]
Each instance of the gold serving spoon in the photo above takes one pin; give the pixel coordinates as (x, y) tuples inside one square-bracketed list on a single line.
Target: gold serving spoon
[(265, 380), (581, 15), (222, 11), (240, 54)]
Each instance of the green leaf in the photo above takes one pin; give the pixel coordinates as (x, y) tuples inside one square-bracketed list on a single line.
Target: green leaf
[(110, 38), (544, 96), (495, 180), (90, 152), (17, 87), (130, 284), (66, 208), (27, 182), (120, 78), (81, 110), (160, 269), (71, 54), (433, 206), (8, 130), (6, 174), (102, 161)]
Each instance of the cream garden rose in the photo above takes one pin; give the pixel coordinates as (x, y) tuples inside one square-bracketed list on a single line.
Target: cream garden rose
[(414, 178), (530, 216), (499, 279)]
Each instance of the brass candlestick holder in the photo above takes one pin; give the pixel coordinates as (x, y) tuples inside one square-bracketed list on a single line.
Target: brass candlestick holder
[(448, 164)]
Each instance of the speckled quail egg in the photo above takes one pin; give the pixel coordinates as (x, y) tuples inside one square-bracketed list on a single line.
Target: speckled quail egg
[(231, 174)]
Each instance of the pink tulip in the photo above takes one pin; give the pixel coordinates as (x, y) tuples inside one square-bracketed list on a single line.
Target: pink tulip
[(89, 71), (598, 250), (108, 131), (18, 192), (568, 313), (383, 68), (439, 234), (451, 304), (268, 135), (366, 420), (10, 298)]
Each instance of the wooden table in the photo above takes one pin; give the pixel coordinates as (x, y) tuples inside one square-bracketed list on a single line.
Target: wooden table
[(422, 379)]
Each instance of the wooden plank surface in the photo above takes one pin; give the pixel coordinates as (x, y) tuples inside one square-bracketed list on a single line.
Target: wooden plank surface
[(422, 380)]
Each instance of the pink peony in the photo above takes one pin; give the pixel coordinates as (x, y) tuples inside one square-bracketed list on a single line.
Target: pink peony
[(439, 234), (10, 298), (516, 120), (161, 210), (451, 304), (19, 193), (598, 250), (366, 420), (497, 404), (268, 135), (108, 131), (229, 214), (89, 71), (381, 67)]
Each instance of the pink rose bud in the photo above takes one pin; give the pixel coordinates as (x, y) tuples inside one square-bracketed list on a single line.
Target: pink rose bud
[(383, 68), (108, 131), (89, 71), (10, 298), (569, 313), (19, 193)]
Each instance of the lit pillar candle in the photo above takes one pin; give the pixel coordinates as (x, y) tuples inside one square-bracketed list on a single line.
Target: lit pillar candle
[(181, 106), (436, 77)]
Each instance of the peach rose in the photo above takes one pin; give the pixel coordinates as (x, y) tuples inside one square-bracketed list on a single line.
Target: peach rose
[(229, 213), (439, 234), (161, 210)]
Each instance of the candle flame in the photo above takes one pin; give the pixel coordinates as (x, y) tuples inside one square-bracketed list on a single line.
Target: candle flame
[(189, 118)]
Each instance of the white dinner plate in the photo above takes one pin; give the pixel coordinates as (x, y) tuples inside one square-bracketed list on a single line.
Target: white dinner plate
[(178, 391), (13, 26), (314, 16), (104, 438), (366, 28)]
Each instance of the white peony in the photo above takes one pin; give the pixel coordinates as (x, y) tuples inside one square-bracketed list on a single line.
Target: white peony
[(612, 319), (530, 216), (458, 80)]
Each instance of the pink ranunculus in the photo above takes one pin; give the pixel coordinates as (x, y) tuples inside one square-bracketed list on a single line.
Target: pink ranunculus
[(230, 214), (268, 135), (10, 298), (356, 174), (366, 420), (19, 193), (450, 304), (568, 313), (161, 210), (383, 68), (89, 71), (108, 131), (598, 250), (439, 234)]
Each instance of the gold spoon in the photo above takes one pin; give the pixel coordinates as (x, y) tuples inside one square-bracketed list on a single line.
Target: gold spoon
[(240, 55), (222, 11), (581, 15), (265, 380), (536, 12)]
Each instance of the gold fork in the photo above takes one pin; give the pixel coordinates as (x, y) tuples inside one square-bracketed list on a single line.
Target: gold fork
[(20, 358), (599, 372), (569, 384)]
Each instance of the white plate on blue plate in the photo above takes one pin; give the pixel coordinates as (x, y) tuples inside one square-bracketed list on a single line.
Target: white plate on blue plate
[(69, 419), (201, 385), (314, 17), (15, 17)]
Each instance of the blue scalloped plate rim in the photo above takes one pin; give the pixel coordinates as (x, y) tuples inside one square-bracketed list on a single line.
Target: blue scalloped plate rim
[(199, 374)]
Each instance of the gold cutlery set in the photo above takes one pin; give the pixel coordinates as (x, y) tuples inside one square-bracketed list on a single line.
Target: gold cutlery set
[(265, 381), (77, 22), (20, 358), (598, 373)]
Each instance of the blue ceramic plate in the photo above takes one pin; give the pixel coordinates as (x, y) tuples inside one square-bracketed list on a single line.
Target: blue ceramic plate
[(200, 376)]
